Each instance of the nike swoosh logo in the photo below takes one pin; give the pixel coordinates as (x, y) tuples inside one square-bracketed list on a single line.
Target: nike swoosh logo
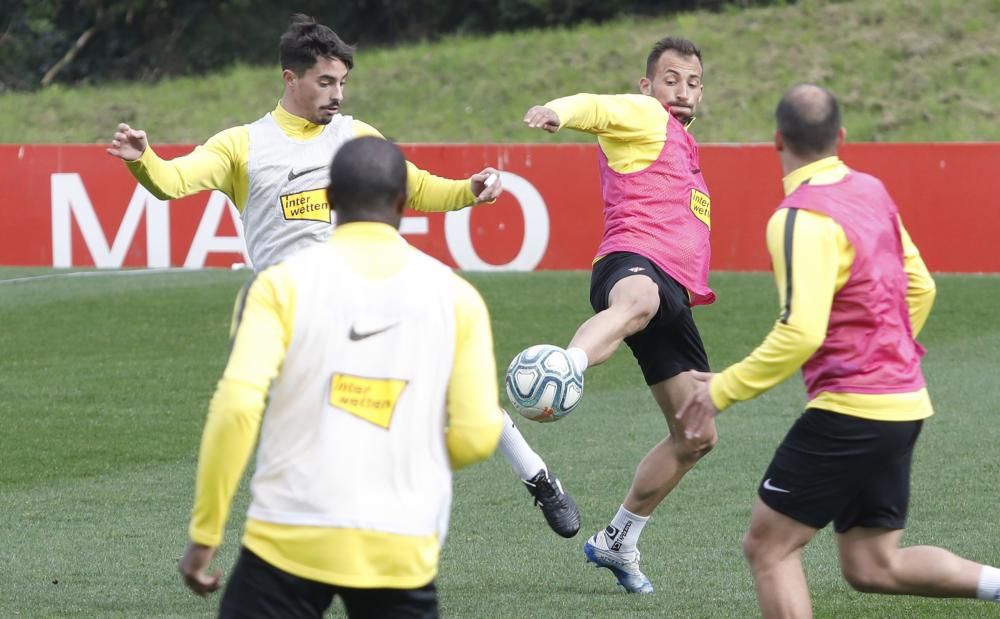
[(769, 486), (292, 174), (356, 336)]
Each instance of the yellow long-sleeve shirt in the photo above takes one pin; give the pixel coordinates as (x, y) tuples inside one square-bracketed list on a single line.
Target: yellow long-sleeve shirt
[(221, 164), (630, 129), (264, 324), (822, 259)]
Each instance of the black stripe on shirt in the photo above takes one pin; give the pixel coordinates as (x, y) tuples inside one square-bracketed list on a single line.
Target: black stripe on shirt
[(241, 305), (789, 234)]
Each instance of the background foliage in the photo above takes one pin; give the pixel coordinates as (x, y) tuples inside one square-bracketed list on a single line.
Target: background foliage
[(45, 41), (904, 70)]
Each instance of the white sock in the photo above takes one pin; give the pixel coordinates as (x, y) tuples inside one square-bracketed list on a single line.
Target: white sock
[(579, 358), (989, 584), (622, 534), (522, 458)]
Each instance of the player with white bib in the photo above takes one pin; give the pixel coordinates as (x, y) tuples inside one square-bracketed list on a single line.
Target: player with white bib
[(367, 367), (275, 172)]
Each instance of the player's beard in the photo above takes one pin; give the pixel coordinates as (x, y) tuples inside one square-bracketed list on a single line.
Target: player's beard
[(683, 114), (325, 119)]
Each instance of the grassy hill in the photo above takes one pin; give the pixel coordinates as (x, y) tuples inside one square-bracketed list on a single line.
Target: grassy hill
[(906, 70)]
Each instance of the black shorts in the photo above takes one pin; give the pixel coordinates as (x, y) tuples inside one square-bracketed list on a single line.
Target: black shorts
[(670, 343), (257, 589), (852, 471)]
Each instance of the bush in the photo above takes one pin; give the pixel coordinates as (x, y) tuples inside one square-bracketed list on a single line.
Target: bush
[(45, 41)]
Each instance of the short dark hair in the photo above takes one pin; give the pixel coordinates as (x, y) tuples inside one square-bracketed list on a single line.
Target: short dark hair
[(808, 118), (367, 179), (677, 44), (305, 41)]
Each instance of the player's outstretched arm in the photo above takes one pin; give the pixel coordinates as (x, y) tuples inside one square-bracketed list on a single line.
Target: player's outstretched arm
[(127, 143), (220, 163), (541, 117)]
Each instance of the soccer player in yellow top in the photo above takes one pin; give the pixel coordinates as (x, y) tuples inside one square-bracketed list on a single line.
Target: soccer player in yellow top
[(651, 268), (854, 292), (367, 368), (274, 170)]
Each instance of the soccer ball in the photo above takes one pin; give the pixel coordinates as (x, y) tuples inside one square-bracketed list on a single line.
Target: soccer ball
[(542, 383)]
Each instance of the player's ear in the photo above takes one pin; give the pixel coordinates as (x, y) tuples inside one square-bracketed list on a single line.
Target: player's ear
[(779, 141), (841, 137), (645, 86), (288, 76)]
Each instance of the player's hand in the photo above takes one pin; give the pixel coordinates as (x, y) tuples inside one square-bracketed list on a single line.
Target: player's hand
[(483, 188), (699, 411), (541, 117), (193, 567), (127, 143)]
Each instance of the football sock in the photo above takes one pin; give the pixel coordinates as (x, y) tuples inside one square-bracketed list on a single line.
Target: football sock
[(623, 532), (579, 357), (522, 458), (989, 584)]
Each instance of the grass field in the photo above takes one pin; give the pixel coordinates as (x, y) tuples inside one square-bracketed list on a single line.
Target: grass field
[(104, 382), (905, 70)]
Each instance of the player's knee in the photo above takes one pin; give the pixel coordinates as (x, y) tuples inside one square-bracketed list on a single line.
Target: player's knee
[(638, 314), (754, 549), (765, 551), (863, 581), (867, 579), (694, 449), (638, 303)]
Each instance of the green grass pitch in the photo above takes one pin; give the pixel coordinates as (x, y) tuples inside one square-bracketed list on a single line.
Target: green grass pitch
[(104, 384)]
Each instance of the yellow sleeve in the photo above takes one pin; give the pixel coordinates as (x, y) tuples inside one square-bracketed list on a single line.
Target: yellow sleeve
[(627, 118), (474, 418), (425, 191), (220, 163), (920, 289), (263, 329), (811, 258)]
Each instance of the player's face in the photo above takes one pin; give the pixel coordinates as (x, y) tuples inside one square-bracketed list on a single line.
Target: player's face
[(676, 83), (318, 93)]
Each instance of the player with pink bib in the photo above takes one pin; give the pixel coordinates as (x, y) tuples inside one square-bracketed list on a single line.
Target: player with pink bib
[(854, 293), (651, 268)]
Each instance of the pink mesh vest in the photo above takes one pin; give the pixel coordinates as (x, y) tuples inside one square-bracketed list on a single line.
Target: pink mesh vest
[(655, 212), (869, 345)]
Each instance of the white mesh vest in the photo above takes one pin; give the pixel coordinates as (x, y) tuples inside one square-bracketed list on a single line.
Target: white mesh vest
[(383, 351), (286, 207)]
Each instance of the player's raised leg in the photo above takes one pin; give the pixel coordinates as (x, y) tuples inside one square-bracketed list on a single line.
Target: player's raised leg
[(632, 303)]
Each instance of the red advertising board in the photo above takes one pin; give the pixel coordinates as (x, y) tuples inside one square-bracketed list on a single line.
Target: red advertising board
[(77, 206)]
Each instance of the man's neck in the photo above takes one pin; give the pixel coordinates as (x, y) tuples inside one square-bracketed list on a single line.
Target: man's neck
[(791, 162), (290, 108)]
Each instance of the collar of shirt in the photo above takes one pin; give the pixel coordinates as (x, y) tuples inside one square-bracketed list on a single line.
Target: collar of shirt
[(295, 127), (373, 250), (822, 172)]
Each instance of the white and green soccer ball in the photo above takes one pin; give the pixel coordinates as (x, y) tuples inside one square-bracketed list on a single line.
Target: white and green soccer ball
[(543, 384)]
